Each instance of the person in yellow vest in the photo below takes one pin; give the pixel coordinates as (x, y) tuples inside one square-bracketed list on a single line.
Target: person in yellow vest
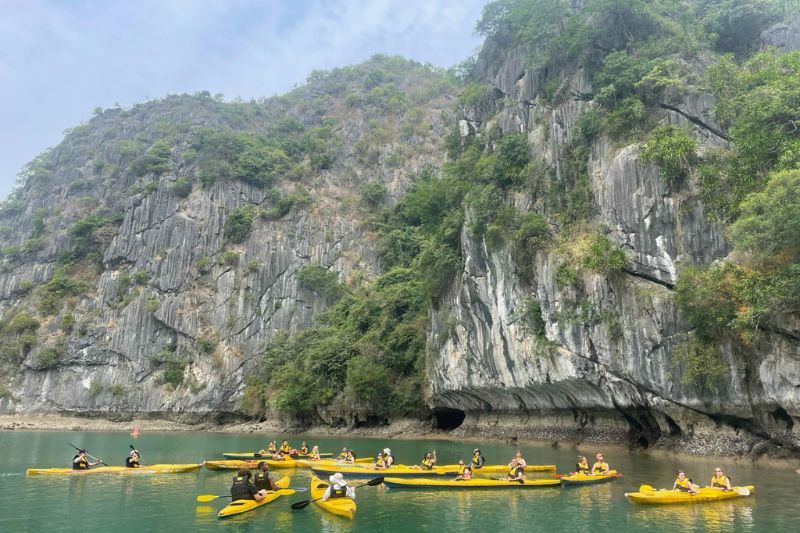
[(429, 461), (582, 466), (272, 448), (515, 471), (477, 459), (304, 448), (388, 458), (464, 471), (343, 455), (684, 484), (600, 467), (315, 453), (720, 481), (285, 448), (379, 461)]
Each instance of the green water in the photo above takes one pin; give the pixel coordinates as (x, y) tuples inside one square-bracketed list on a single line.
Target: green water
[(120, 504)]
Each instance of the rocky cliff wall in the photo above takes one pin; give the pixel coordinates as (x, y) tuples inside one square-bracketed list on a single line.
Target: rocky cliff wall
[(604, 366)]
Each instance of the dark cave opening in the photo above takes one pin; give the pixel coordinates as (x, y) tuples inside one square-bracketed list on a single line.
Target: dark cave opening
[(448, 419)]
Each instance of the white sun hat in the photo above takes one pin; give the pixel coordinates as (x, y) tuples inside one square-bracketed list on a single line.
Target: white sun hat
[(337, 479)]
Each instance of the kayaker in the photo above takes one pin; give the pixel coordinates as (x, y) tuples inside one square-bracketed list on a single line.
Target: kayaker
[(342, 455), (272, 447), (520, 461), (477, 459), (81, 461), (315, 454), (684, 484), (263, 480), (243, 489), (515, 471), (720, 481), (464, 471), (132, 461), (379, 462), (304, 448), (582, 466), (600, 467), (428, 461), (338, 488), (350, 458), (388, 458), (285, 448)]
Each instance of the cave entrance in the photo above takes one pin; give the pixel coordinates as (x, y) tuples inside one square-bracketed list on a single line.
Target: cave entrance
[(448, 419)]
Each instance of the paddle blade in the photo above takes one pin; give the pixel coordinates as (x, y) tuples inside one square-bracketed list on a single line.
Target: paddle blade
[(300, 505), (743, 491), (285, 492), (375, 482), (207, 497), (646, 488)]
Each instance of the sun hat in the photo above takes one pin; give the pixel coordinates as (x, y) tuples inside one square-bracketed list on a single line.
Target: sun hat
[(387, 451), (337, 479)]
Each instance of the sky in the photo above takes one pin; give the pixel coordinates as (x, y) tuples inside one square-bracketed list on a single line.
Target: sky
[(60, 59)]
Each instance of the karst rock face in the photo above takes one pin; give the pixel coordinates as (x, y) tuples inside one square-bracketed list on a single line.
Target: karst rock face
[(167, 284), (604, 367)]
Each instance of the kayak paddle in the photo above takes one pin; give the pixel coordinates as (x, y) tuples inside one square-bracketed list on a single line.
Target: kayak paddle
[(93, 458), (212, 497), (304, 503)]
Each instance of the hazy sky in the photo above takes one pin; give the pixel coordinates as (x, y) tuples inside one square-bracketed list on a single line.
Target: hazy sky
[(61, 59)]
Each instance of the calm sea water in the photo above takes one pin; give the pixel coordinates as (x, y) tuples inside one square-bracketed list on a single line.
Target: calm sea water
[(121, 504)]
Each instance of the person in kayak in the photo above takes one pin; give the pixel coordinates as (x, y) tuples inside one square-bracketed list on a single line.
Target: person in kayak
[(304, 448), (81, 461), (263, 480), (428, 461), (720, 481), (350, 458), (132, 461), (600, 467), (379, 462), (515, 472), (520, 461), (338, 488), (285, 448), (342, 455), (477, 459), (388, 458), (582, 466), (684, 484), (243, 488), (272, 447), (464, 471), (315, 454)]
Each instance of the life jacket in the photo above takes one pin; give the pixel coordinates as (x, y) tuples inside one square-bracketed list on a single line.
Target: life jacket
[(380, 462), (514, 471), (304, 450), (582, 468), (261, 480), (461, 469), (286, 448), (427, 464), (682, 485), (338, 493), (477, 460), (388, 460), (600, 467), (240, 490), (719, 481), (342, 457), (83, 464), (130, 462), (272, 448)]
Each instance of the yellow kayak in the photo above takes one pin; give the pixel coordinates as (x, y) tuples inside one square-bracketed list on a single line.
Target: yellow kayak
[(325, 463), (649, 495), (235, 464), (242, 506), (370, 472), (149, 469), (246, 456), (584, 479), (423, 483), (502, 469), (339, 506)]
